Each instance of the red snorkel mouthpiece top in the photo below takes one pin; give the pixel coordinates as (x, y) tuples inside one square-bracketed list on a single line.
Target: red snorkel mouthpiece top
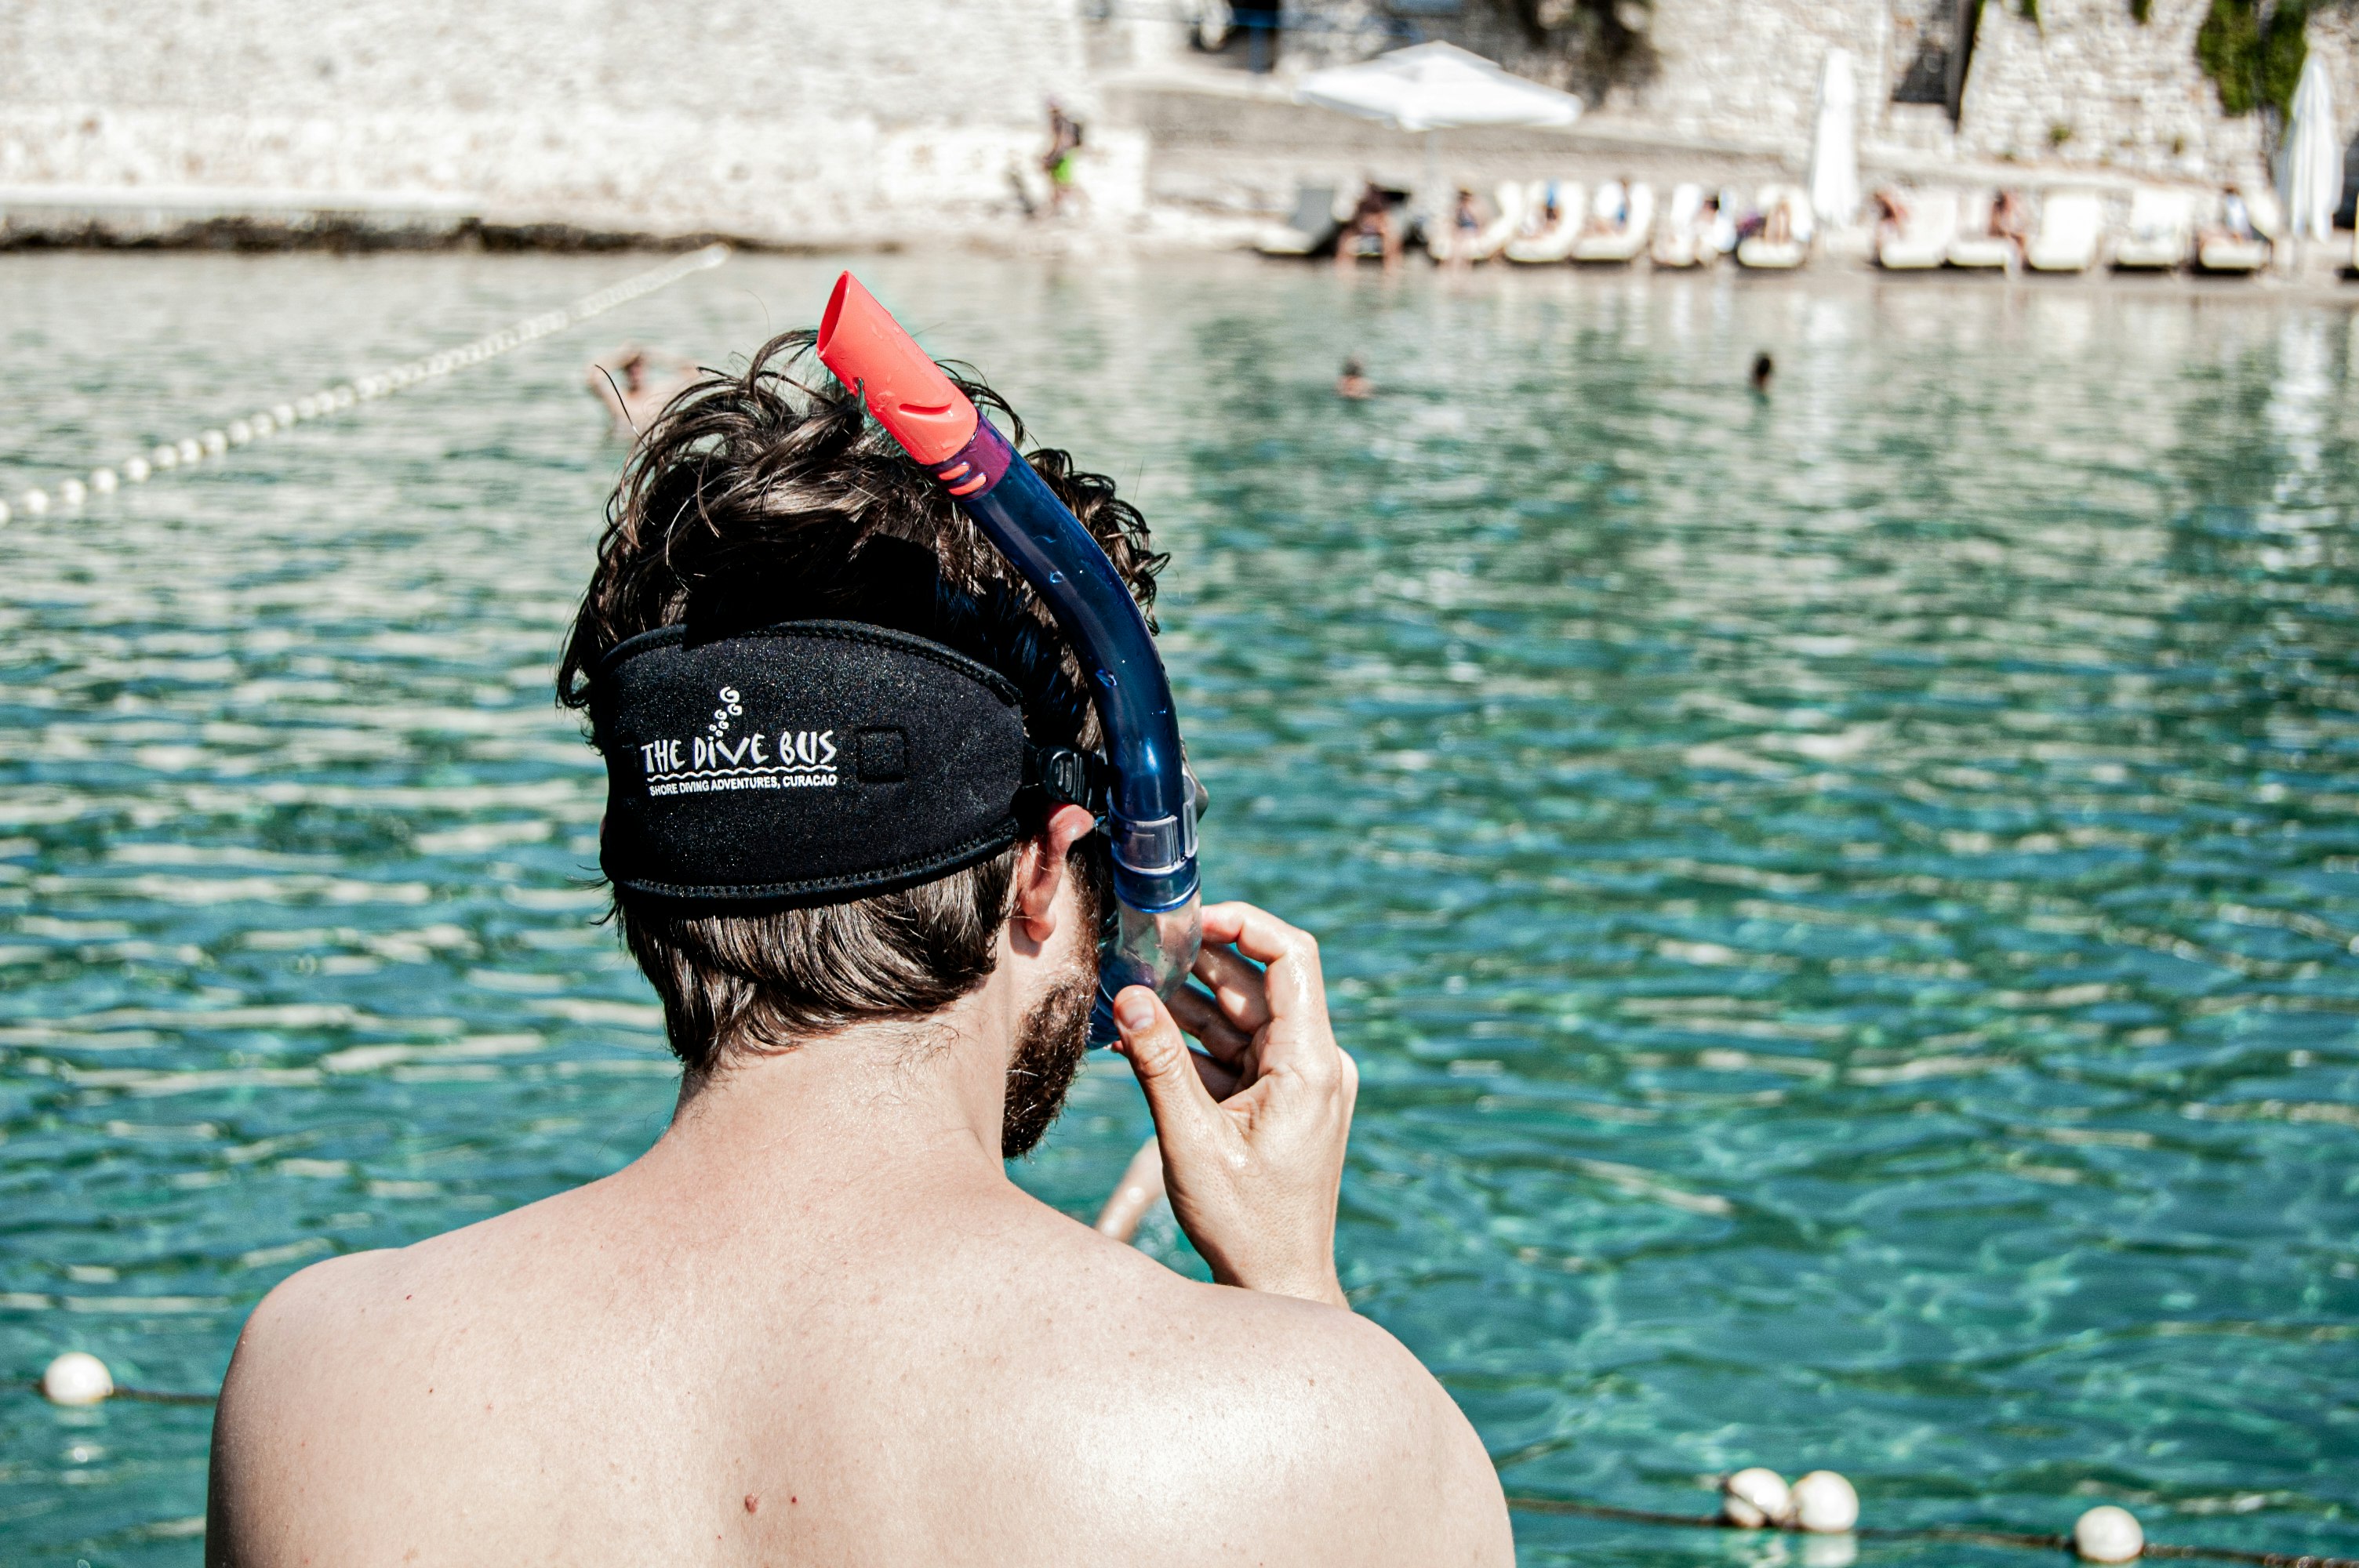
[(905, 389)]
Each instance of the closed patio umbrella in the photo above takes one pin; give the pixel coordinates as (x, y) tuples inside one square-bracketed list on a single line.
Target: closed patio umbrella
[(1436, 87), (2313, 165), (1834, 146)]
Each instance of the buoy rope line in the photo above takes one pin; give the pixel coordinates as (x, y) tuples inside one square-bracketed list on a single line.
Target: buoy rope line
[(167, 457), (1971, 1537), (145, 1396), (1821, 1503)]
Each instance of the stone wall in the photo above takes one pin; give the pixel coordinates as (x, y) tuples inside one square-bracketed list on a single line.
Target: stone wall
[(801, 120), (2089, 84), (1748, 70)]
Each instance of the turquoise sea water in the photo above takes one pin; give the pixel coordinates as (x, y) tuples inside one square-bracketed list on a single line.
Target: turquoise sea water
[(1846, 902)]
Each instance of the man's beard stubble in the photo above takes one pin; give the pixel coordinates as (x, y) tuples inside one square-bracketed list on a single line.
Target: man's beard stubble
[(1049, 1047)]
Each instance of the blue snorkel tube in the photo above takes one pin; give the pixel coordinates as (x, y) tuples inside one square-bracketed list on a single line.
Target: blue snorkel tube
[(1151, 813)]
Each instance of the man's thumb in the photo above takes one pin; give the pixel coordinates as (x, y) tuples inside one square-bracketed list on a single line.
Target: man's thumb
[(1159, 1054)]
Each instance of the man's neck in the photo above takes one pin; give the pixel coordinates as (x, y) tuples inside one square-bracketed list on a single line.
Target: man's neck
[(915, 1104)]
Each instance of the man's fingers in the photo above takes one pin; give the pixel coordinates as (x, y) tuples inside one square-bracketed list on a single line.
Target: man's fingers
[(1200, 1016), (1263, 936), (1220, 1081), (1237, 983), (1296, 992), (1182, 1107)]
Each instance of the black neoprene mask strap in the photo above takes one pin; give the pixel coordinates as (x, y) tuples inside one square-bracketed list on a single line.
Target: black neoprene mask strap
[(813, 762)]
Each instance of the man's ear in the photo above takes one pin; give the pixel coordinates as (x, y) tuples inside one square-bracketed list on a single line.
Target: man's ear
[(1040, 870)]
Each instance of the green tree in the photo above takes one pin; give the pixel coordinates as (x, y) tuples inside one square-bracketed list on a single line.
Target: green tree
[(2253, 58)]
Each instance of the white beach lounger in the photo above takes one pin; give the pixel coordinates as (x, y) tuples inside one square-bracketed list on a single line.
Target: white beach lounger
[(2221, 252), (1313, 222), (1925, 241), (1624, 244), (1976, 246), (1553, 243), (1679, 238), (1488, 241), (2071, 223), (1781, 255), (2156, 239)]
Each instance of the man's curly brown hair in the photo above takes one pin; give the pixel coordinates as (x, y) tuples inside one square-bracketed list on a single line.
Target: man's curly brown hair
[(767, 495)]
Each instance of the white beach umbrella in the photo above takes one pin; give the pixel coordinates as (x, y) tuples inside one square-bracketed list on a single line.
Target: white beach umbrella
[(2313, 165), (1436, 87), (1834, 146)]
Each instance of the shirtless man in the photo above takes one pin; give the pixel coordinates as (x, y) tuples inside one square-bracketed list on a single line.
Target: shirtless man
[(816, 1322)]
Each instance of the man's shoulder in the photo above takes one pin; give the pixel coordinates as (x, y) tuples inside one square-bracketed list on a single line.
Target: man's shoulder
[(339, 1320), (1364, 1458)]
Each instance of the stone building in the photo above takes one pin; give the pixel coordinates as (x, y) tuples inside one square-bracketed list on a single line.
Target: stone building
[(814, 122), (822, 123)]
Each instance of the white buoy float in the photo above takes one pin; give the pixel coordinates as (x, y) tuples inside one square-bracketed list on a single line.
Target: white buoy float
[(1825, 1504), (2107, 1534), (36, 501), (136, 471), (71, 494), (103, 481), (1756, 1498), (78, 1377)]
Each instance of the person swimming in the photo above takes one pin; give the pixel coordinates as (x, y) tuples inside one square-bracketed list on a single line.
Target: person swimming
[(1353, 382), (633, 389), (1764, 367)]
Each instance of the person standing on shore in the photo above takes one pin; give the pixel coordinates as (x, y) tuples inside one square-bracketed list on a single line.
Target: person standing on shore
[(1057, 162)]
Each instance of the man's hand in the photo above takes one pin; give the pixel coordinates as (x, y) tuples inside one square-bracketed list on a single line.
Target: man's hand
[(1253, 1178)]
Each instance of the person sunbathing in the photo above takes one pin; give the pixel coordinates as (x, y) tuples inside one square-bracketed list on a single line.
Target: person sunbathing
[(1466, 227), (2235, 215), (1891, 217), (817, 1322), (1729, 219), (2010, 220), (1611, 209), (1539, 217), (1372, 216)]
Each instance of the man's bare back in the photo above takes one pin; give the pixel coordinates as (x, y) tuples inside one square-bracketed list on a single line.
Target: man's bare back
[(816, 1323)]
